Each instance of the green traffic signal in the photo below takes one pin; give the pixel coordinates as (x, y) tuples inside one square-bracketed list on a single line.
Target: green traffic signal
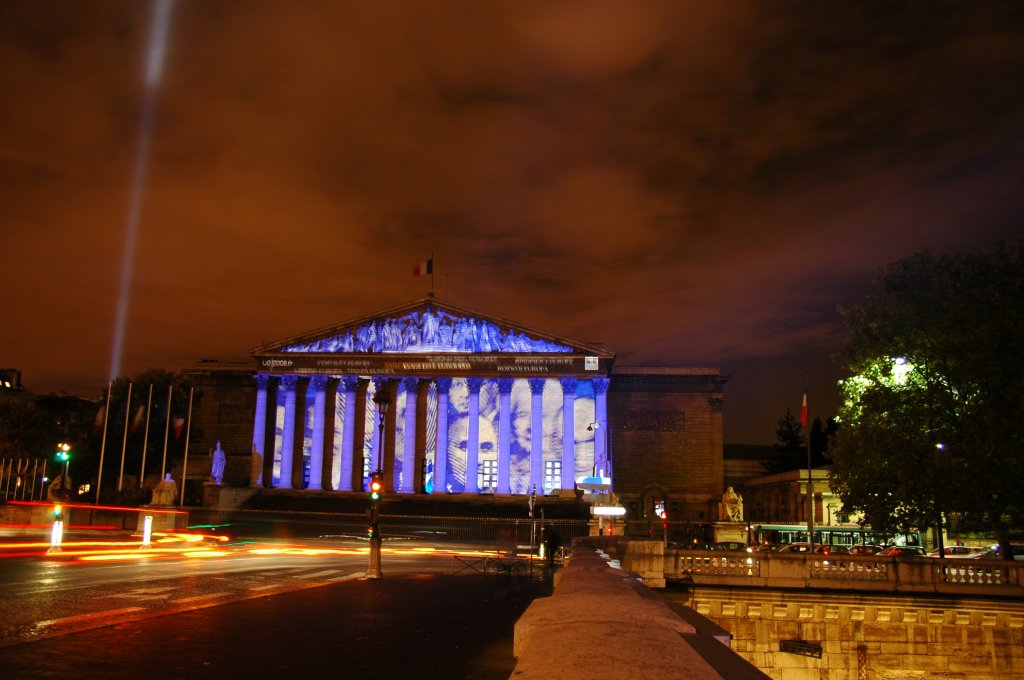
[(63, 454), (376, 488)]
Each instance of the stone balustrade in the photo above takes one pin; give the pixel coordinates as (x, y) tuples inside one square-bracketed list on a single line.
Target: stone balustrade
[(655, 565)]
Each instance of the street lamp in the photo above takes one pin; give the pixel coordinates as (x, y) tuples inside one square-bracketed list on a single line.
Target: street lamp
[(383, 401), (63, 455), (593, 427)]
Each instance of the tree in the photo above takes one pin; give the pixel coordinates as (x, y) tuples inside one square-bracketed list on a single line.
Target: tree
[(821, 434), (790, 445), (931, 419), (127, 432)]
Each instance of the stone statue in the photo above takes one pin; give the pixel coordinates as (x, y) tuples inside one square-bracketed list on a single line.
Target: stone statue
[(429, 328), (166, 492), (255, 468), (217, 467), (731, 507), (58, 491)]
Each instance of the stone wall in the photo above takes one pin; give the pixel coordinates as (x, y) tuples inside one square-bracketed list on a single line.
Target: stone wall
[(666, 427), (868, 637), (224, 410)]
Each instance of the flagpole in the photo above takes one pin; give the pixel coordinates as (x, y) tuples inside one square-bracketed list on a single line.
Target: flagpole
[(124, 442), (431, 274), (167, 431), (145, 436), (810, 477), (35, 473), (103, 442), (188, 431)]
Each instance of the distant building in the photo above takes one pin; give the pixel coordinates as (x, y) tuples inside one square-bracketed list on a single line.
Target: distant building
[(10, 385), (479, 405)]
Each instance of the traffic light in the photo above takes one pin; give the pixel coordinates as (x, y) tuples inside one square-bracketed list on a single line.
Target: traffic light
[(63, 454), (58, 513), (376, 487)]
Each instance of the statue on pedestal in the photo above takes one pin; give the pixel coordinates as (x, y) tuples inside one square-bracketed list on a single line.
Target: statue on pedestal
[(166, 492), (217, 467), (255, 468), (731, 507)]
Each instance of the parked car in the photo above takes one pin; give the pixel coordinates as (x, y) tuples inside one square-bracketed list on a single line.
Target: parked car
[(903, 551), (865, 549), (959, 552), (832, 549), (734, 546), (818, 548), (795, 548)]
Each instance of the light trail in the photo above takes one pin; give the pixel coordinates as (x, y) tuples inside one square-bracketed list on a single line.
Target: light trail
[(154, 69)]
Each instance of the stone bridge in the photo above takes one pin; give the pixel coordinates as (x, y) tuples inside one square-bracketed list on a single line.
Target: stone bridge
[(797, 616)]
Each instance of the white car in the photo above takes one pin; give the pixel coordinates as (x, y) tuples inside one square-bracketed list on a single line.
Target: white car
[(959, 552)]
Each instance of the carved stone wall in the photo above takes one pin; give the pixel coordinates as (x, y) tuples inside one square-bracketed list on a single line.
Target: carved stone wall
[(866, 637)]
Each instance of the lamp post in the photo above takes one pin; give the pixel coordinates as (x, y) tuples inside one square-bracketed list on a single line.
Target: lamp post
[(593, 427), (63, 455), (383, 401)]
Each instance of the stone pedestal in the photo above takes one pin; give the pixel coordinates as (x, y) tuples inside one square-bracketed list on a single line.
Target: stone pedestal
[(730, 531), (165, 518)]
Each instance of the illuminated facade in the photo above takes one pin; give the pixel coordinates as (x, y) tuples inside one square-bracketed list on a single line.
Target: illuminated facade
[(468, 393), (479, 405)]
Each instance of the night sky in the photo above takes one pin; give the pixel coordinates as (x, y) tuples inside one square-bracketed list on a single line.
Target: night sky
[(689, 183)]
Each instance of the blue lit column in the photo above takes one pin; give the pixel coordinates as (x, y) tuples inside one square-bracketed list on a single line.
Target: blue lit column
[(409, 438), (568, 433), (316, 453), (441, 453), (537, 434), (288, 432), (504, 434), (473, 436), (348, 431), (601, 416), (259, 429)]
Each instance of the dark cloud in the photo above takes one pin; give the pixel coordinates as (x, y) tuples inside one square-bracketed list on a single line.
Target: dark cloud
[(685, 182)]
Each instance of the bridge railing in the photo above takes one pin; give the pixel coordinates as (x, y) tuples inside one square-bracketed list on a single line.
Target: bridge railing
[(846, 572)]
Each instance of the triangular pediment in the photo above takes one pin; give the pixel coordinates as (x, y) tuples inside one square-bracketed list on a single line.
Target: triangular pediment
[(427, 326)]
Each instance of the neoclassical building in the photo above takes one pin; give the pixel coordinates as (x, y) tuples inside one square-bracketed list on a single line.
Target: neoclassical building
[(476, 405)]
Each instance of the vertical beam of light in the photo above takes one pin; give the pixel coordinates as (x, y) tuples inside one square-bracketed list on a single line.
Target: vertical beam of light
[(154, 69)]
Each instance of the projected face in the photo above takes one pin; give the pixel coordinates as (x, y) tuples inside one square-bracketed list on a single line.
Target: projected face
[(521, 420), (458, 442)]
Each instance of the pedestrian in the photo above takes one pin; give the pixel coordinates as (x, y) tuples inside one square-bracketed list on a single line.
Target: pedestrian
[(552, 545)]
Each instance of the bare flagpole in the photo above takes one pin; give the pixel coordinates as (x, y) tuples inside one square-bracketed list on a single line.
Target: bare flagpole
[(103, 442), (167, 431), (188, 431), (145, 437), (124, 442)]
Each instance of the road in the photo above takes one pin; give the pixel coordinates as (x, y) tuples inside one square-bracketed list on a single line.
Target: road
[(259, 609)]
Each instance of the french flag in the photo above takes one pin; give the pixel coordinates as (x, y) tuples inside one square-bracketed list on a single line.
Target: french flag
[(424, 268)]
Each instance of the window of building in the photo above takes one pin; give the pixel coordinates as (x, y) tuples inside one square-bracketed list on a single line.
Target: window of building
[(552, 474), (487, 475)]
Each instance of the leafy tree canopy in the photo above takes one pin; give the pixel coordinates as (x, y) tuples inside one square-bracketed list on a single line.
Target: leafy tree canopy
[(931, 422)]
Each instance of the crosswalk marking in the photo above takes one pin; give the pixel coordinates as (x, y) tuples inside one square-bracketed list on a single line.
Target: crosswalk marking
[(197, 598), (317, 574), (88, 617)]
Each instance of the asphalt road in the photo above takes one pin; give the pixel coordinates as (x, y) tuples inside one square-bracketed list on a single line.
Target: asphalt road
[(253, 617)]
